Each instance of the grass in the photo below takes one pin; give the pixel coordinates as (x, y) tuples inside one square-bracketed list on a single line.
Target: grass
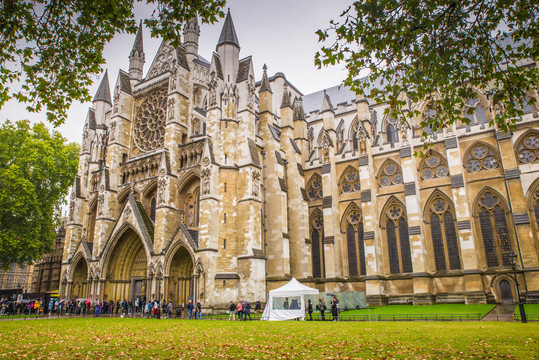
[(532, 311), (99, 338)]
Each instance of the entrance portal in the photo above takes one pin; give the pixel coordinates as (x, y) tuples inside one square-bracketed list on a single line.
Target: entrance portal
[(506, 292), (126, 269), (180, 281), (79, 287)]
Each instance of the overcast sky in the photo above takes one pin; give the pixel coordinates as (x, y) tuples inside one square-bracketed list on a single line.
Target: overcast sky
[(279, 33)]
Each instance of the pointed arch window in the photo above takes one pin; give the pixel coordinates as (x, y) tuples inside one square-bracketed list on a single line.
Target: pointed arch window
[(391, 174), (444, 235), (433, 166), (475, 112), (398, 242), (153, 204), (494, 230), (350, 181), (355, 244), (528, 149), (535, 204), (314, 190), (317, 242), (392, 136), (481, 157)]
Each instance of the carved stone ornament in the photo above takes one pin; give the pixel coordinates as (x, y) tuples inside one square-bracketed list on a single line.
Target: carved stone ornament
[(163, 60), (112, 131), (251, 89), (403, 127), (206, 161), (171, 106), (116, 99), (72, 205), (173, 77), (213, 89), (150, 120), (101, 201), (162, 187), (127, 210), (182, 217), (256, 183), (205, 175)]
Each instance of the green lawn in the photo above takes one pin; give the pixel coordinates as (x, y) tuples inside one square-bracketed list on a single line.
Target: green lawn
[(532, 311), (99, 338)]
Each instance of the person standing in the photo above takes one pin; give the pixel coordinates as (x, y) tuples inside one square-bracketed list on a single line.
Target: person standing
[(199, 310), (231, 310), (335, 308), (190, 309), (310, 309), (258, 307), (137, 304), (239, 309), (247, 311), (322, 307)]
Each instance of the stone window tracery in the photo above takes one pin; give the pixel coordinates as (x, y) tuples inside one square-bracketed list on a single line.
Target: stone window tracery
[(150, 121), (474, 112), (391, 174), (314, 190), (480, 158), (528, 149), (350, 181), (494, 230), (355, 243), (317, 243), (444, 235), (433, 166), (398, 242), (392, 136)]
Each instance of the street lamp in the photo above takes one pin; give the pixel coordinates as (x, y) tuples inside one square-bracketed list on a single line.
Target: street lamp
[(513, 260)]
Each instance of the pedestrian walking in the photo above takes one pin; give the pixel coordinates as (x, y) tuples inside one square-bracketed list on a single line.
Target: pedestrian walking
[(239, 309), (231, 311), (310, 309), (258, 307)]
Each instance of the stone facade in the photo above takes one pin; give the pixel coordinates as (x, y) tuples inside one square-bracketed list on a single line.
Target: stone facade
[(198, 182), (18, 277)]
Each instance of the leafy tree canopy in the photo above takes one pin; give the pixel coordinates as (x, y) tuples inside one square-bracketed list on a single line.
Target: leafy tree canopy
[(440, 51), (54, 47), (36, 169)]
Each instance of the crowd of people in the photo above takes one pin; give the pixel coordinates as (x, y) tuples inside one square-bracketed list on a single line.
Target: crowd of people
[(240, 311)]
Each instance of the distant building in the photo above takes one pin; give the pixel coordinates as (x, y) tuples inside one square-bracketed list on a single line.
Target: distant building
[(46, 278), (18, 277), (196, 181)]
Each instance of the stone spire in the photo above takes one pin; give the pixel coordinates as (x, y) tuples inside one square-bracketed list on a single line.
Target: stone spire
[(264, 84), (228, 33), (326, 103), (191, 33), (103, 92), (299, 113), (286, 96), (137, 57)]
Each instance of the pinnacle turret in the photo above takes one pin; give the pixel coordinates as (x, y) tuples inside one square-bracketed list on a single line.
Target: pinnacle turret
[(299, 113), (228, 33), (137, 57), (326, 103), (264, 84), (191, 33), (103, 92)]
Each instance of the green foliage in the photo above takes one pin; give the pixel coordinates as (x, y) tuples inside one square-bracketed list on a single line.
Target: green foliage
[(100, 338), (441, 51), (36, 169), (54, 47)]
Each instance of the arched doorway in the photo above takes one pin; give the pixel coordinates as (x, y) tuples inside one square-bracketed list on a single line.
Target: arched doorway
[(79, 285), (126, 269), (180, 280), (506, 293)]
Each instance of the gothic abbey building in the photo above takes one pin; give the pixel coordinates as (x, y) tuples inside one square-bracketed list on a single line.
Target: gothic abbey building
[(197, 181)]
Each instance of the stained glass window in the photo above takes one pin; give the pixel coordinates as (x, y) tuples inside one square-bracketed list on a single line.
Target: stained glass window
[(317, 241), (444, 235), (433, 166), (314, 190), (528, 149), (391, 174), (398, 240), (355, 246), (150, 120), (481, 158), (350, 181), (494, 230)]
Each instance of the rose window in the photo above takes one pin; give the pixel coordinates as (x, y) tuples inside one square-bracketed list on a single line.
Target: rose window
[(350, 183), (391, 175), (439, 206), (150, 120), (481, 158), (528, 150), (394, 212), (434, 167)]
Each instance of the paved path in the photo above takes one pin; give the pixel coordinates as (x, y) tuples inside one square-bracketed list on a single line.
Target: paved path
[(501, 312)]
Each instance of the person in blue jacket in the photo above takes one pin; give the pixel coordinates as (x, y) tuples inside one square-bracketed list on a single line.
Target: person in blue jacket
[(190, 309)]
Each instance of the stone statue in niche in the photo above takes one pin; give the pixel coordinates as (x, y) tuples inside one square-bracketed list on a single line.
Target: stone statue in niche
[(112, 130), (171, 105), (101, 201), (251, 93), (190, 217), (213, 89), (256, 183), (116, 99), (205, 175), (182, 216)]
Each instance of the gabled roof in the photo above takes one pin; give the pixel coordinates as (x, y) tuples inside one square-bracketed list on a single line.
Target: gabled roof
[(103, 92), (228, 33), (243, 69), (124, 82), (91, 119)]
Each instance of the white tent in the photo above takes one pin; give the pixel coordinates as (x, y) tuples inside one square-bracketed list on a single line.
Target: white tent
[(287, 302)]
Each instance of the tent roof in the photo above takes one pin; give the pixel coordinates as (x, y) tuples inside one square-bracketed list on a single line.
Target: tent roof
[(293, 288)]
